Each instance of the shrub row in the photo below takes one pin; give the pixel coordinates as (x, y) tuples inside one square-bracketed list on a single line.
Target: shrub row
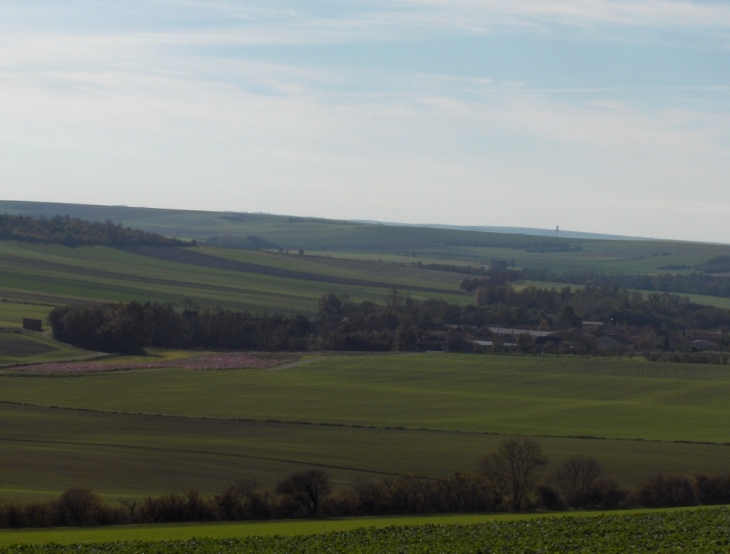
[(308, 494)]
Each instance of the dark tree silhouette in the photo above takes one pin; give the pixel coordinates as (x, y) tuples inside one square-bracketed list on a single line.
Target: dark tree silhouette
[(307, 488), (513, 468)]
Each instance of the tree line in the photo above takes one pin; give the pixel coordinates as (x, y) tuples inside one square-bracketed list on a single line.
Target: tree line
[(342, 324), (512, 477), (697, 282), (608, 304), (129, 327), (72, 231)]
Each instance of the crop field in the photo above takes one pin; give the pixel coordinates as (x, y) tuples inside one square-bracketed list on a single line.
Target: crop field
[(45, 451), (18, 346), (153, 430), (701, 531), (54, 274), (605, 256), (12, 313), (561, 396), (595, 255), (399, 270), (31, 347), (227, 530), (173, 421)]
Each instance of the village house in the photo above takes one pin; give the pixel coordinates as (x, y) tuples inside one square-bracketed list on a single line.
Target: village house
[(615, 343)]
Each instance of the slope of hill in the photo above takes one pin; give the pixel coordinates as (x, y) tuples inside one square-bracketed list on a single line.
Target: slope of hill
[(405, 244), (241, 280)]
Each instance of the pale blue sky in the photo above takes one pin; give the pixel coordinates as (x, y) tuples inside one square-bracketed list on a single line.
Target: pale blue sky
[(596, 115)]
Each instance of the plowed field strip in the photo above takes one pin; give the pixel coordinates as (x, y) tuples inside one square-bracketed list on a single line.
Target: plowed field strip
[(198, 452), (44, 298), (204, 260), (90, 274), (19, 262), (200, 260)]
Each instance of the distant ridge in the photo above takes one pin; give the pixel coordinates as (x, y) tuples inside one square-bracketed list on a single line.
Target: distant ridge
[(531, 231), (230, 227)]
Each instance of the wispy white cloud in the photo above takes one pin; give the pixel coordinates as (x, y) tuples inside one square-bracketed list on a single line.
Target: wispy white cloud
[(483, 13), (285, 23), (160, 112)]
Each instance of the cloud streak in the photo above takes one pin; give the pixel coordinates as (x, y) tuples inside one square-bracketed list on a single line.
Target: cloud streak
[(170, 104), (281, 23)]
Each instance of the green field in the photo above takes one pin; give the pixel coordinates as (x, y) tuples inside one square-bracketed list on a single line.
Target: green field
[(139, 432), (54, 274), (564, 396), (187, 531), (358, 260), (22, 347), (13, 312), (700, 531), (45, 451), (132, 433)]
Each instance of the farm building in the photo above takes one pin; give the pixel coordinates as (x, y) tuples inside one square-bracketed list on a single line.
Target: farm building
[(32, 324), (615, 342), (701, 344), (668, 342)]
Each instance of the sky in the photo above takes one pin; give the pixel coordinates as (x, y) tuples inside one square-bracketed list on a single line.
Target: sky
[(608, 116)]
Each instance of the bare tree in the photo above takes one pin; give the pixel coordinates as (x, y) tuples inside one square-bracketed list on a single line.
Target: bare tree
[(79, 506), (131, 505), (576, 476), (307, 488), (512, 469)]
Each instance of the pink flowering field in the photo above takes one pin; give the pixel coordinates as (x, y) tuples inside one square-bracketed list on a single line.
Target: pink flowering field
[(209, 360)]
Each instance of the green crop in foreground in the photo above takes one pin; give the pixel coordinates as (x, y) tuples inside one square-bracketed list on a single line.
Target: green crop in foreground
[(698, 531)]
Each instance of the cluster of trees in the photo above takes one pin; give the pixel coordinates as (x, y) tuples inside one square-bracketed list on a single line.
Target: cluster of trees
[(249, 242), (718, 264), (78, 232), (697, 282), (129, 327), (687, 357), (341, 324), (452, 268), (567, 306), (511, 478)]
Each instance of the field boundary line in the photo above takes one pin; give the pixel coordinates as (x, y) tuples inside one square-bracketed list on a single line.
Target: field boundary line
[(355, 425)]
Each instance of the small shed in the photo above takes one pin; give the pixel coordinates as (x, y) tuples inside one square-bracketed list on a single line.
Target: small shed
[(32, 324)]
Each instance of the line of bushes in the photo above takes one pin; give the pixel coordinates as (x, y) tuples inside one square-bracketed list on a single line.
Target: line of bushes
[(71, 231), (511, 478)]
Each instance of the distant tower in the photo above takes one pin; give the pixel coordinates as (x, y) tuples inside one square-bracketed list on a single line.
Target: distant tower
[(557, 228)]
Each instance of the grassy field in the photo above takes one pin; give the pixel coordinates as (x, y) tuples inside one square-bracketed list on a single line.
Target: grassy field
[(179, 532), (566, 396), (54, 274), (22, 347), (139, 432), (44, 451), (361, 261), (12, 313)]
